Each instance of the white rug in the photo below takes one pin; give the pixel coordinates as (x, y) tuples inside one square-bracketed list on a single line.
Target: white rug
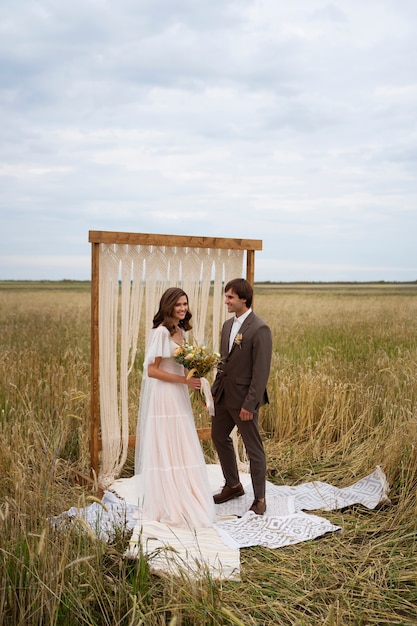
[(215, 551)]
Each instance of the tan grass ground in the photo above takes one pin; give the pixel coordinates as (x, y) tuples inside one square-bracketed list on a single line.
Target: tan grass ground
[(343, 399)]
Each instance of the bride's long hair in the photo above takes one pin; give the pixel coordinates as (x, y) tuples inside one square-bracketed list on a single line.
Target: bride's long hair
[(166, 306)]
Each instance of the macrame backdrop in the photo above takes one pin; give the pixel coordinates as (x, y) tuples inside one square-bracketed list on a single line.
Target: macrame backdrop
[(131, 276)]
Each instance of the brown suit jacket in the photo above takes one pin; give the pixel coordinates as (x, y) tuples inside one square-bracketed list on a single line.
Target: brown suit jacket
[(242, 376)]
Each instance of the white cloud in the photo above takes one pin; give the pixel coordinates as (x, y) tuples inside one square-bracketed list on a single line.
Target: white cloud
[(293, 123), (38, 261), (27, 170)]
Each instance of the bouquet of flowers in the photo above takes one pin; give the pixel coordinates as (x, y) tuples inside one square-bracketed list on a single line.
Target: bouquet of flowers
[(196, 359)]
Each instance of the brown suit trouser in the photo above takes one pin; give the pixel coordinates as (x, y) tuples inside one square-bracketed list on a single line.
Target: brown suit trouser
[(223, 423)]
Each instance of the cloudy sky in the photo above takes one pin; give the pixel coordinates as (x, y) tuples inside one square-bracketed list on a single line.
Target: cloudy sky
[(289, 122)]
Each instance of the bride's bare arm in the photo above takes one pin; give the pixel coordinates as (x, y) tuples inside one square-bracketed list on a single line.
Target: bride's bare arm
[(154, 371)]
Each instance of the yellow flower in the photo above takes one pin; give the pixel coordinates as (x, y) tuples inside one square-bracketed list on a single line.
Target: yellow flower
[(238, 339)]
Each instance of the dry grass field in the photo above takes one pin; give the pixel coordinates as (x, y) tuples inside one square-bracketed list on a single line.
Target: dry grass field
[(343, 391)]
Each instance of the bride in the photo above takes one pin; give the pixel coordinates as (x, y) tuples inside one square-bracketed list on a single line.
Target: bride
[(174, 487)]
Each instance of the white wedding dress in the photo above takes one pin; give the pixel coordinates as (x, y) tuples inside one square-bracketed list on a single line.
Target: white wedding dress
[(172, 475)]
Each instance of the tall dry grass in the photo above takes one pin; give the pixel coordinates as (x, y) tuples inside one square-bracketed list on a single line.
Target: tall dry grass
[(343, 400)]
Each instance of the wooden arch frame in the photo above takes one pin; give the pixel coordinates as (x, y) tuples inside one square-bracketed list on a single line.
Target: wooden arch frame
[(97, 237)]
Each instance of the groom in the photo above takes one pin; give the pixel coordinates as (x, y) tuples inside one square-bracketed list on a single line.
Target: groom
[(239, 389)]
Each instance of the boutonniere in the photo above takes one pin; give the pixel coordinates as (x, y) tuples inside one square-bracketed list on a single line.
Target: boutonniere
[(238, 339)]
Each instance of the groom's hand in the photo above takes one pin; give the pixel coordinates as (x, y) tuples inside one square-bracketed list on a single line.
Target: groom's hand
[(245, 415)]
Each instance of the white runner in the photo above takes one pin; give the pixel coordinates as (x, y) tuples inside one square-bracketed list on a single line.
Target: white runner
[(215, 551)]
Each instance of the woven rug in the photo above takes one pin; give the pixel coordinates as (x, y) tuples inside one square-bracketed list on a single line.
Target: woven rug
[(216, 551)]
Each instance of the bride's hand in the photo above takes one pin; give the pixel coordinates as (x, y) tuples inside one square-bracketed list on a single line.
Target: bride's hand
[(194, 383)]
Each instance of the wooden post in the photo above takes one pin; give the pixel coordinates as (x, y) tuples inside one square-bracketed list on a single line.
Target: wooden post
[(250, 266), (94, 400)]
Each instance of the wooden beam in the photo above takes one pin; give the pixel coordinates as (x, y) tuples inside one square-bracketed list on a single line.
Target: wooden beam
[(204, 434), (180, 241)]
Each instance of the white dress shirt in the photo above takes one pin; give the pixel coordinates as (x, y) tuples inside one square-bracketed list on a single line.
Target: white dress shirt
[(237, 323)]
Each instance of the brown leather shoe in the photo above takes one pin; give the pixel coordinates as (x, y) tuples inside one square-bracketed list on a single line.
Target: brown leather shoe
[(258, 507), (228, 493)]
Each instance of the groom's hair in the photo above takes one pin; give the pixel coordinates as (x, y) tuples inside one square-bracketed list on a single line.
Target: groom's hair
[(242, 288)]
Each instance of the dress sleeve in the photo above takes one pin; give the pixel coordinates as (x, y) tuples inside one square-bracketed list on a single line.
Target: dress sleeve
[(159, 344)]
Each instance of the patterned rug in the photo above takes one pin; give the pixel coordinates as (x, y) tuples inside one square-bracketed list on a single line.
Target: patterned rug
[(216, 551)]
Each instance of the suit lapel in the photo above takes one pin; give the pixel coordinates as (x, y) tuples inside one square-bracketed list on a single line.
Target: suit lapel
[(245, 326), (226, 336)]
